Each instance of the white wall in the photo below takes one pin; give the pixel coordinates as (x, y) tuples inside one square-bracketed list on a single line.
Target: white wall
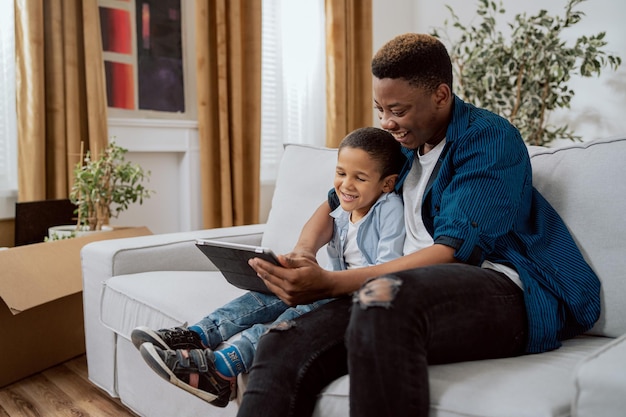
[(170, 149), (598, 105)]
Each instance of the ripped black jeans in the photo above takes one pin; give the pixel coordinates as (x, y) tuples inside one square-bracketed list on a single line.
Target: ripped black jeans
[(386, 337)]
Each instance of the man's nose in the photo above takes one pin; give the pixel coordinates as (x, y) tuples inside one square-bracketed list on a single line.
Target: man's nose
[(387, 122)]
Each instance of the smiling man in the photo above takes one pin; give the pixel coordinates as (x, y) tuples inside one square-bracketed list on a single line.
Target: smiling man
[(479, 279), (489, 269)]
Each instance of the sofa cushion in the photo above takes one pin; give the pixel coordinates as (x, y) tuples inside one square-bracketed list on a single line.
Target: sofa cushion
[(162, 299), (307, 172), (532, 385), (601, 382), (586, 184)]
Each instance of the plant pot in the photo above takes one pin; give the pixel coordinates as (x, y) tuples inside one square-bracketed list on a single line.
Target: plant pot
[(71, 230)]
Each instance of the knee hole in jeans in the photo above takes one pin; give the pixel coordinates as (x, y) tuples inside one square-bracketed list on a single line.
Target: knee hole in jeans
[(378, 292)]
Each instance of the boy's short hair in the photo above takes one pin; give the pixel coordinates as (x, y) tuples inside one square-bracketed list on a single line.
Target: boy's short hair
[(380, 145), (420, 59)]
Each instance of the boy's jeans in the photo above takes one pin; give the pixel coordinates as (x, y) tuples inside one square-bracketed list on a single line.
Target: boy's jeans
[(396, 326), (250, 315)]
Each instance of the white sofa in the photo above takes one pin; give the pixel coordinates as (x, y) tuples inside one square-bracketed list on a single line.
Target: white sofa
[(164, 281)]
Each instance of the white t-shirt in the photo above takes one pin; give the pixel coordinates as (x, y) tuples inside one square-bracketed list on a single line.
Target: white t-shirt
[(352, 254), (417, 237)]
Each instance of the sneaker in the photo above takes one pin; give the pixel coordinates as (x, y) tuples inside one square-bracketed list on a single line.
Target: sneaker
[(192, 370), (167, 339)]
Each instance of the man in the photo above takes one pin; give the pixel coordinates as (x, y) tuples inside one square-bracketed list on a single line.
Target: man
[(489, 269)]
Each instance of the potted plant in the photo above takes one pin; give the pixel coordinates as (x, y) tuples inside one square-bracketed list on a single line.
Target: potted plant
[(104, 186), (524, 76)]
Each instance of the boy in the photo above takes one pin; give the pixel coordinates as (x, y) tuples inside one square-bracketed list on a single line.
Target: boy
[(368, 230)]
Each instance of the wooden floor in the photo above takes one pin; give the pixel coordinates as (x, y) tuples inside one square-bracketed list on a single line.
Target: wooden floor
[(60, 391)]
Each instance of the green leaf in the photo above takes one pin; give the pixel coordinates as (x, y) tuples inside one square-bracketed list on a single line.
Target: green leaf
[(533, 58)]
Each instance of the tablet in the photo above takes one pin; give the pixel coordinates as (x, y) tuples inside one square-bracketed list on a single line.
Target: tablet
[(232, 261)]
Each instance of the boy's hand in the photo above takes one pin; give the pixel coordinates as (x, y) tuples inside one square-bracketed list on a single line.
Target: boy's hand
[(298, 253)]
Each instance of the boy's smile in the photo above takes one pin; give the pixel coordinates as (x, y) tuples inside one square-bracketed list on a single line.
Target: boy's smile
[(358, 181)]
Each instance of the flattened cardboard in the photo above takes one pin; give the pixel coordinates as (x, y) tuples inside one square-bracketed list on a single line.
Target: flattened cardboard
[(41, 304)]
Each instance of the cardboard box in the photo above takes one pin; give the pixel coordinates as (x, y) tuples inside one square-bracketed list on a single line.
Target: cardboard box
[(41, 304)]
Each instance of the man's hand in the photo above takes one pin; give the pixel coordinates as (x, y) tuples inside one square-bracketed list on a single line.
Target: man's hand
[(300, 279)]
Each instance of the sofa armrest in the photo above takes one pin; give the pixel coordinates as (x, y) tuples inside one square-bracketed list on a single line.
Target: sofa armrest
[(601, 382), (162, 252)]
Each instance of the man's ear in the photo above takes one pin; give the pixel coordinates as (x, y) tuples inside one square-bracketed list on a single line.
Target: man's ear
[(389, 182), (442, 95)]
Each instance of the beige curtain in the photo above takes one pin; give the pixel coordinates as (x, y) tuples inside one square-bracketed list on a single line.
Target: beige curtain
[(348, 75), (228, 39), (61, 93)]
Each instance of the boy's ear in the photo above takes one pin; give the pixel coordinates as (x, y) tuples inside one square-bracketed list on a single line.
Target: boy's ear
[(389, 182)]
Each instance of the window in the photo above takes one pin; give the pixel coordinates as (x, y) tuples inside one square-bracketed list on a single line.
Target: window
[(142, 43), (8, 116), (293, 79)]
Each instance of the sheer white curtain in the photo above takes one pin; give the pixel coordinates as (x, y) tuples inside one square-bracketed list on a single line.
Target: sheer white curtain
[(8, 117), (294, 79)]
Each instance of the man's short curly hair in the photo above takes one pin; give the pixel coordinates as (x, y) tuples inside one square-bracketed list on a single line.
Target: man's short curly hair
[(420, 59)]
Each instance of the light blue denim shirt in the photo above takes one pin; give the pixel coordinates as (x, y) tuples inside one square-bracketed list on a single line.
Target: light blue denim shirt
[(380, 237)]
